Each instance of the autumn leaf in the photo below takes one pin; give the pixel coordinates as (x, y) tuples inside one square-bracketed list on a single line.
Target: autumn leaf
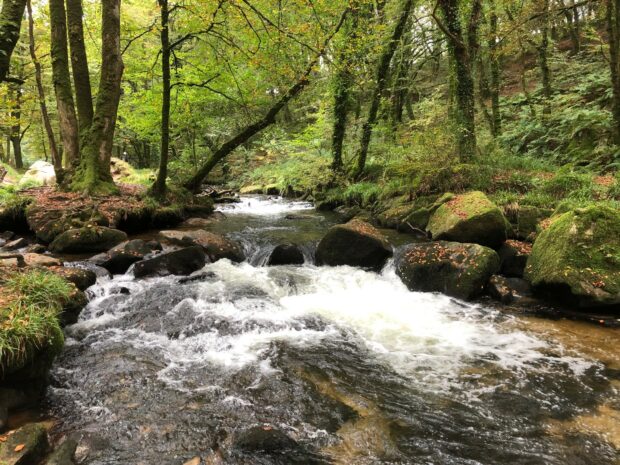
[(19, 447)]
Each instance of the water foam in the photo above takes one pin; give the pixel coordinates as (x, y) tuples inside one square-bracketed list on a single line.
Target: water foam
[(264, 206)]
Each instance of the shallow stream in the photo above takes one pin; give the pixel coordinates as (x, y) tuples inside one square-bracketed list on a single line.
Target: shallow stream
[(301, 365)]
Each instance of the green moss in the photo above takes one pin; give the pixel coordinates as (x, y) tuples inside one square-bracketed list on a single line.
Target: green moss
[(580, 249), (469, 217), (30, 327)]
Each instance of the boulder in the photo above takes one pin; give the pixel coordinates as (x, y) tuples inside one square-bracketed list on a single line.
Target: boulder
[(80, 277), (577, 258), (455, 269), (40, 173), (508, 290), (35, 259), (469, 218), (249, 190), (200, 222), (355, 243), (166, 217), (513, 255), (118, 259), (178, 262), (525, 220), (90, 239), (286, 254), (72, 307), (26, 446), (216, 246)]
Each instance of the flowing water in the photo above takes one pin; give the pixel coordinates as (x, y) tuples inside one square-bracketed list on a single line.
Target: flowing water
[(250, 364)]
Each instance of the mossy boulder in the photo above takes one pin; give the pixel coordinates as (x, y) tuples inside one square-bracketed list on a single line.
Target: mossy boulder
[(455, 269), (286, 254), (469, 218), (178, 262), (166, 217), (355, 243), (13, 215), (252, 189), (577, 258), (90, 239), (419, 217), (525, 219), (25, 446)]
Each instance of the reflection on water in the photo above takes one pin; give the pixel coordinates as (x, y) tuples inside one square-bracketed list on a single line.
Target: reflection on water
[(347, 365)]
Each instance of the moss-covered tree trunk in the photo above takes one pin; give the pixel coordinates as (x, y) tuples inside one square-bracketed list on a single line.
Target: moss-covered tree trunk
[(16, 118), (93, 174), (56, 158), (495, 78), (382, 76), (67, 119), (464, 111), (10, 25), (159, 187), (79, 65)]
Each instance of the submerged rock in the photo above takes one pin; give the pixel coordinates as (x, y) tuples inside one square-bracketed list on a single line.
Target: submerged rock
[(87, 240), (469, 218), (286, 254), (178, 262), (355, 243), (215, 246), (26, 446), (455, 269), (577, 258)]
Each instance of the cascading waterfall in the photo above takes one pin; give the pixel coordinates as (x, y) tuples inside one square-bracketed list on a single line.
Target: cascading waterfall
[(348, 365)]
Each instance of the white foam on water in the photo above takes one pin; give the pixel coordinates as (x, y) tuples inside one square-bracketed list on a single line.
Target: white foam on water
[(264, 206), (428, 337)]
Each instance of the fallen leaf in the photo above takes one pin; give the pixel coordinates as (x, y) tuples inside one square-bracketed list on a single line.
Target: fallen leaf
[(19, 447)]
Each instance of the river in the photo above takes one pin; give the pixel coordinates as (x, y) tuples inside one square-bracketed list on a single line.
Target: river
[(250, 364)]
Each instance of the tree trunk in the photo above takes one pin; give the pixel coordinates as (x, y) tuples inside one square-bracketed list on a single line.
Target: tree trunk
[(464, 112), (16, 113), (612, 17), (79, 65), (159, 187), (542, 56), (62, 84), (56, 159), (382, 78), (10, 24), (93, 174), (495, 78)]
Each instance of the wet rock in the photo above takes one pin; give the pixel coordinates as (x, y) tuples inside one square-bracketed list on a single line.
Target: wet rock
[(13, 260), (10, 399), (35, 259), (300, 216), (73, 307), (264, 439), (16, 244), (118, 259), (87, 240), (177, 262), (48, 224), (26, 446), (7, 235), (215, 246), (577, 258), (286, 254), (355, 243), (508, 290), (80, 277), (513, 255), (470, 218), (249, 190), (455, 269), (197, 278), (63, 454)]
